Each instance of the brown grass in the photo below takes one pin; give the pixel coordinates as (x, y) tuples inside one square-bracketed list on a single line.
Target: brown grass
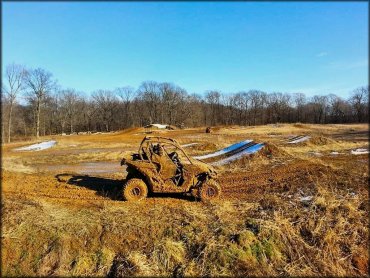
[(282, 212)]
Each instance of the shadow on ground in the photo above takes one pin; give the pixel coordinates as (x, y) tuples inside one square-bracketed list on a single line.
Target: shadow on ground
[(105, 187), (110, 188)]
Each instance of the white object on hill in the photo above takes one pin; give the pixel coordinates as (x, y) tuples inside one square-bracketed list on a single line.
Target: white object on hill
[(189, 145), (156, 125), (225, 150), (248, 151), (315, 153), (306, 199), (38, 147), (301, 139), (360, 151)]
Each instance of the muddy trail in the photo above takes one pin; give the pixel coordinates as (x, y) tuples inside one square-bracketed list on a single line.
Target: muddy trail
[(283, 211), (296, 202), (271, 169), (86, 168), (242, 184)]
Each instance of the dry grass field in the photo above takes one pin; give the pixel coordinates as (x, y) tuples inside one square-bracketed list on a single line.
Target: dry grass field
[(290, 209)]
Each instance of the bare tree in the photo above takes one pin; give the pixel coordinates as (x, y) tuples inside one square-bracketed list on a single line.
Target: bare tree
[(279, 107), (89, 110), (49, 113), (173, 104), (238, 103), (127, 94), (299, 101), (150, 95), (106, 104), (195, 107), (319, 104), (257, 100), (15, 75), (213, 99), (359, 100), (69, 105), (40, 84)]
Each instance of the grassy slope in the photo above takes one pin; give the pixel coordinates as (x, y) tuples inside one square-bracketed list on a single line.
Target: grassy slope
[(259, 227)]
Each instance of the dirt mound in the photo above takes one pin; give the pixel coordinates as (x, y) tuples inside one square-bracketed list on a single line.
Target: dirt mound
[(130, 130), (262, 157), (320, 140), (205, 146), (278, 215), (272, 150), (299, 125)]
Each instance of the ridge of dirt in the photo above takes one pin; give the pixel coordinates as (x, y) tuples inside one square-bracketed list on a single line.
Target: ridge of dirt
[(281, 211)]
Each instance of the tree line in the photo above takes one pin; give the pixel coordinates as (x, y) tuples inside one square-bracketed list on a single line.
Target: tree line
[(34, 104)]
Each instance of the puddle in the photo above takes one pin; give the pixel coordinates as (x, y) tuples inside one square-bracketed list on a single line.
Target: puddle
[(87, 168), (67, 151)]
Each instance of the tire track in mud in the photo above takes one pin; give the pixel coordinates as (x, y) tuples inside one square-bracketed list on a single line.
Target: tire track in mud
[(254, 183), (244, 184), (56, 196), (75, 187)]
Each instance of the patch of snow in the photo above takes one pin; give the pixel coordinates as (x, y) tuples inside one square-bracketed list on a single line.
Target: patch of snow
[(306, 199), (225, 150), (38, 147), (301, 139), (189, 145), (334, 153), (315, 153), (156, 125), (359, 151)]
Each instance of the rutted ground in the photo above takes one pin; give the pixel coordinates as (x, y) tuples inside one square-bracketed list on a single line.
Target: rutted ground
[(284, 211)]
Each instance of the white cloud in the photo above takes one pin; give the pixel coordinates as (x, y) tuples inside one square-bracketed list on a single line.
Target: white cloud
[(321, 54)]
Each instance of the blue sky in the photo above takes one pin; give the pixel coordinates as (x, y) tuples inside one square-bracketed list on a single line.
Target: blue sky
[(314, 48)]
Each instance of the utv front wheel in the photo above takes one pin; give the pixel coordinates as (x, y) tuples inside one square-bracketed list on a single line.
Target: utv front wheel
[(134, 190), (210, 190)]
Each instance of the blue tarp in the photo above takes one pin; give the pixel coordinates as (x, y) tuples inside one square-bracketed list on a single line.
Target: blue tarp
[(250, 150), (225, 150)]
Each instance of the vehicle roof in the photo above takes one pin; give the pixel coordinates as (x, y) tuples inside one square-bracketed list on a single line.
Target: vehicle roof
[(159, 138)]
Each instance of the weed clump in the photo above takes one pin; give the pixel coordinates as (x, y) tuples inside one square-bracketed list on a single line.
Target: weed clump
[(134, 264), (169, 254)]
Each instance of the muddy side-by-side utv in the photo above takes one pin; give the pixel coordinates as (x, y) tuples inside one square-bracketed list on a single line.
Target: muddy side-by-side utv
[(162, 166)]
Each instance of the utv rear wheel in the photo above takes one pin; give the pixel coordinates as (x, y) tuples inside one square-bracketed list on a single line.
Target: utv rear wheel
[(134, 190), (210, 190)]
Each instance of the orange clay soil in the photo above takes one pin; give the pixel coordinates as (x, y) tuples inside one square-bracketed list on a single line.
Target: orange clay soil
[(283, 211)]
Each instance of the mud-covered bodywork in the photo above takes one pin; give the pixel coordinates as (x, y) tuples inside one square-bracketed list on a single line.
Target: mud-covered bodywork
[(165, 167)]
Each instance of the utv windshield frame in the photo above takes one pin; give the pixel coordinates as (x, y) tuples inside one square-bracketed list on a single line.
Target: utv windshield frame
[(147, 144)]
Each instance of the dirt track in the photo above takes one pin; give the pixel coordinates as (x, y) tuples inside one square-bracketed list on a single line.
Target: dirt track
[(245, 184), (280, 184)]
